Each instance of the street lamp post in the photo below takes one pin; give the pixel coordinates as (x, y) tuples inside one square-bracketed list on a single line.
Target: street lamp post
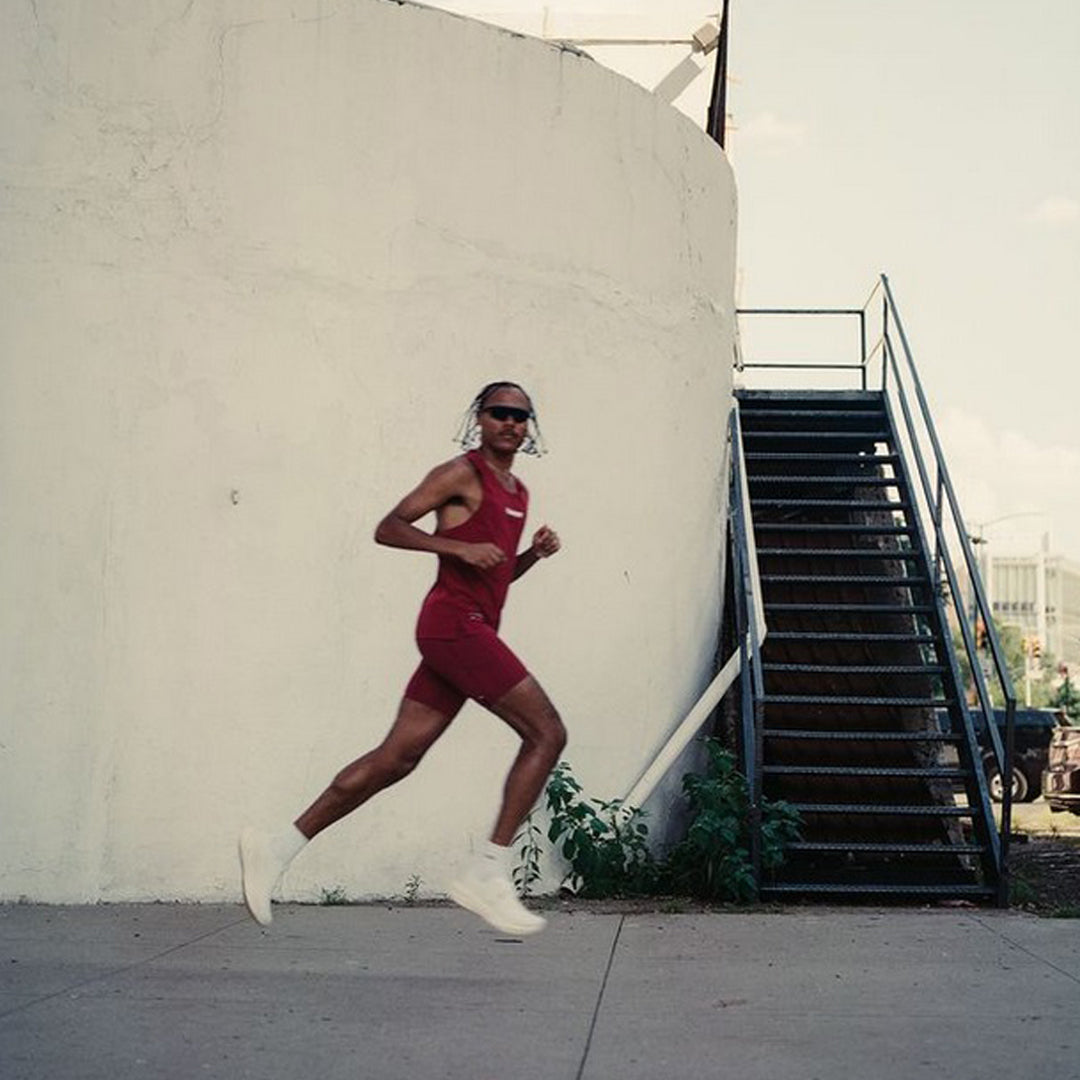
[(986, 566)]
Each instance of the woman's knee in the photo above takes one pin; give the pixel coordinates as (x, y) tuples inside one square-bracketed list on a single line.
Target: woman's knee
[(396, 762), (549, 735), (558, 736)]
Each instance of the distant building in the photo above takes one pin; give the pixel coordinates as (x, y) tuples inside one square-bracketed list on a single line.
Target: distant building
[(1040, 594)]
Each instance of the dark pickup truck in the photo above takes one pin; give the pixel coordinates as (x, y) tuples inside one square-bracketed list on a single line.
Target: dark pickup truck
[(1032, 732)]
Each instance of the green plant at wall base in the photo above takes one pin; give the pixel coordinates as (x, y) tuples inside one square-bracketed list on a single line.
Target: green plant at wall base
[(781, 824), (605, 842), (412, 888), (1021, 891), (712, 862), (334, 897), (527, 871), (1067, 698)]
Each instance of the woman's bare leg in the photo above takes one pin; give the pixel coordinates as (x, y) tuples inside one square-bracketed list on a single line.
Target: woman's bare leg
[(264, 856), (528, 710), (413, 733), (486, 887)]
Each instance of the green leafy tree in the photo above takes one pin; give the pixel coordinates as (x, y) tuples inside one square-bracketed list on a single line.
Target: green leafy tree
[(1011, 639), (1067, 697)]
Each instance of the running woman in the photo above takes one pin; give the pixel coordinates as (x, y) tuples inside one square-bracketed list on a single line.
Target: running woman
[(480, 509)]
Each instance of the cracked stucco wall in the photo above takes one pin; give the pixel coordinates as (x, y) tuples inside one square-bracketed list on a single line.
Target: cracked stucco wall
[(254, 259)]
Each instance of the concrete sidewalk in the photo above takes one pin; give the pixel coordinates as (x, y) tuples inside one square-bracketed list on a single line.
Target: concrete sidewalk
[(368, 993)]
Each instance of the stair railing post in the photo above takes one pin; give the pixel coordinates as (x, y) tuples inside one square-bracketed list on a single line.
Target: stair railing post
[(716, 120), (756, 683), (751, 684), (1004, 884), (746, 739), (864, 361), (884, 327), (939, 497)]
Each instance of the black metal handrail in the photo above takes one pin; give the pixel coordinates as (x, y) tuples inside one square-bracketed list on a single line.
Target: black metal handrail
[(749, 628), (943, 508), (940, 508)]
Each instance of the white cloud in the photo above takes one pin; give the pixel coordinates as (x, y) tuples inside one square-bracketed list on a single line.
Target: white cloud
[(1017, 488), (1055, 210), (767, 131)]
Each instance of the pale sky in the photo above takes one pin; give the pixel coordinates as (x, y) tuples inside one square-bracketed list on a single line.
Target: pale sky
[(937, 141)]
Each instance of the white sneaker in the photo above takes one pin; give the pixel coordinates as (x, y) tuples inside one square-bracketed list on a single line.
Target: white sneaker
[(496, 902), (259, 873)]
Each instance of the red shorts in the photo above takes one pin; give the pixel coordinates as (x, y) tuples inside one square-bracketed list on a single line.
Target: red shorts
[(477, 665)]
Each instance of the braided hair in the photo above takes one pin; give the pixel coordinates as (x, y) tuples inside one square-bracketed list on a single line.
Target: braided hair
[(468, 433)]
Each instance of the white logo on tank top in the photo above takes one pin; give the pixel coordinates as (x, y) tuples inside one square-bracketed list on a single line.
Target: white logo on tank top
[(514, 513)]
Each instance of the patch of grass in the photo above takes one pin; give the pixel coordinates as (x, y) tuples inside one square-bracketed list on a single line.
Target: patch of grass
[(1022, 892), (1045, 877), (1066, 911), (674, 907), (335, 897)]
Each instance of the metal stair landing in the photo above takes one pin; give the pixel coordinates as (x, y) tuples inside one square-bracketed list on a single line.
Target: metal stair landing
[(856, 664)]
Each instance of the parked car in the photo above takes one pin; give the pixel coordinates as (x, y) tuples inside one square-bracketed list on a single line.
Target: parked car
[(1061, 779)]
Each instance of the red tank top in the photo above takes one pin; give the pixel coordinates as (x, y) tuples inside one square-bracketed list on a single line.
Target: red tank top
[(463, 593)]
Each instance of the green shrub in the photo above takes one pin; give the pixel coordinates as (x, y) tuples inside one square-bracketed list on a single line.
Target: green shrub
[(606, 843), (712, 862)]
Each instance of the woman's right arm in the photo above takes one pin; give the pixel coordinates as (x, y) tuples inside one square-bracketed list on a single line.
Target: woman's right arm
[(452, 480)]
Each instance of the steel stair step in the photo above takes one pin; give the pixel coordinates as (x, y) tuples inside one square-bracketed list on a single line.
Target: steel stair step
[(854, 609), (834, 735), (863, 530), (857, 847), (878, 434), (783, 399), (882, 771), (855, 669), (844, 579), (832, 504), (907, 554), (859, 479), (861, 458), (869, 413), (825, 699), (986, 891), (884, 809), (850, 635)]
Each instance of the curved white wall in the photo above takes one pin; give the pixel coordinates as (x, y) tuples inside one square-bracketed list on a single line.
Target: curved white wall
[(255, 259)]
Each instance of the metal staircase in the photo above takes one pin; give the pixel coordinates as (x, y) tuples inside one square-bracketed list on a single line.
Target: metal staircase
[(854, 709)]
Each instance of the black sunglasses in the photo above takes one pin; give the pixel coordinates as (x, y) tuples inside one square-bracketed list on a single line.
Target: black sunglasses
[(507, 412)]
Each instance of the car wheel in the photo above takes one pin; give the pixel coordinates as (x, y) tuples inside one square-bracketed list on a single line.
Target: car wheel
[(1033, 773), (1020, 786)]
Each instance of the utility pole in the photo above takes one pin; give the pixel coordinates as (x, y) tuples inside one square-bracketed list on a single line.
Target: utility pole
[(1026, 645)]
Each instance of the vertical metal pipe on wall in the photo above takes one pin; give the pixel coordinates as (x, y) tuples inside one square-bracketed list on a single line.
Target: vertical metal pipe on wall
[(716, 122)]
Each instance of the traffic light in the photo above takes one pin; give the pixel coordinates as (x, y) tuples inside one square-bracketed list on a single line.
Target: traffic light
[(1036, 648)]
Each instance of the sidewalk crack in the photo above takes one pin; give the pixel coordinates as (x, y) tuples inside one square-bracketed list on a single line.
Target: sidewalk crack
[(1025, 950), (113, 972), (600, 999)]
